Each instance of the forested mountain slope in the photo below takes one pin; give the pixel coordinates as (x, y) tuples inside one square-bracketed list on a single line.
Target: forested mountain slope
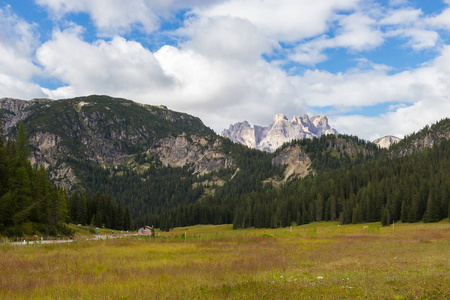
[(409, 187), (423, 139), (169, 170), (149, 158), (100, 129), (265, 205)]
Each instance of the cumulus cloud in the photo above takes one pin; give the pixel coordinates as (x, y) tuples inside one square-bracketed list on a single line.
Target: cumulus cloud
[(17, 41), (418, 39), (440, 21), (357, 32), (223, 92), (399, 122), (292, 21), (114, 17), (227, 38), (108, 67), (401, 16), (425, 91)]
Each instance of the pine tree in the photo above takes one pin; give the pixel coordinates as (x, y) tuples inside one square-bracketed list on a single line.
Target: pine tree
[(404, 212), (433, 212), (41, 197), (4, 170), (386, 217), (127, 219), (21, 145), (333, 208)]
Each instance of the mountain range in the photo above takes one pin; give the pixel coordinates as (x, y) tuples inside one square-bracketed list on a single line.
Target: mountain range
[(169, 169), (280, 131)]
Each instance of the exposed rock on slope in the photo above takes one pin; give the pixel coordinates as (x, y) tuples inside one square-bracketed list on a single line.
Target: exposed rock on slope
[(279, 132), (425, 138), (200, 151), (110, 131), (295, 160), (387, 141)]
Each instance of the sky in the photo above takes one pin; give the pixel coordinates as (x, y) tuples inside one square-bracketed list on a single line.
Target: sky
[(373, 67)]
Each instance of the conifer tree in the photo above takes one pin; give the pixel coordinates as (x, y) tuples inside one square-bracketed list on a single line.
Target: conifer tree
[(433, 213)]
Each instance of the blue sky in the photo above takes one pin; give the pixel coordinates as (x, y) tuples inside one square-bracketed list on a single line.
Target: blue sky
[(374, 67)]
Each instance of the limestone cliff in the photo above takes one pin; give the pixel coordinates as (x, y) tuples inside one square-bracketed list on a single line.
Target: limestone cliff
[(296, 161), (279, 132), (203, 152), (387, 141)]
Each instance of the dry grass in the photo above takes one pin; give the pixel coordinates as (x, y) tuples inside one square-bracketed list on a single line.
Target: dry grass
[(317, 261)]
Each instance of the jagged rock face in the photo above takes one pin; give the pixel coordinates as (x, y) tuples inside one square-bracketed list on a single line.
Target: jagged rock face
[(296, 162), (16, 110), (279, 132), (242, 133), (200, 151), (425, 138), (387, 141)]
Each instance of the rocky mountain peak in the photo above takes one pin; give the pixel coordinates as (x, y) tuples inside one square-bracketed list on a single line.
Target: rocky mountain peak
[(279, 132), (279, 118)]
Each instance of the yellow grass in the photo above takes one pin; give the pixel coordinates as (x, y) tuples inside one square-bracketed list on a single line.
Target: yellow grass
[(316, 261)]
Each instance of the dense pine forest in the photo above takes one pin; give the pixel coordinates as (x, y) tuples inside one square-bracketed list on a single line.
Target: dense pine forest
[(99, 210), (154, 191), (407, 189)]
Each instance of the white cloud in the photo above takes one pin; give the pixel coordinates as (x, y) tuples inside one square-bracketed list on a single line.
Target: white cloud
[(398, 2), (222, 92), (227, 38), (114, 17), (440, 21), (418, 39), (17, 41), (400, 122), (103, 67), (425, 90), (292, 20), (401, 16), (357, 32)]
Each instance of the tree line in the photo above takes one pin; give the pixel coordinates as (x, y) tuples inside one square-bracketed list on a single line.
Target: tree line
[(99, 210)]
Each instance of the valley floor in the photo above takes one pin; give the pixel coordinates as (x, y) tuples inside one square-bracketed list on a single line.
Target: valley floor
[(315, 261)]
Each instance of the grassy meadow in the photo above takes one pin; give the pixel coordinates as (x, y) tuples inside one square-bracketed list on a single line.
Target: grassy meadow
[(315, 261)]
